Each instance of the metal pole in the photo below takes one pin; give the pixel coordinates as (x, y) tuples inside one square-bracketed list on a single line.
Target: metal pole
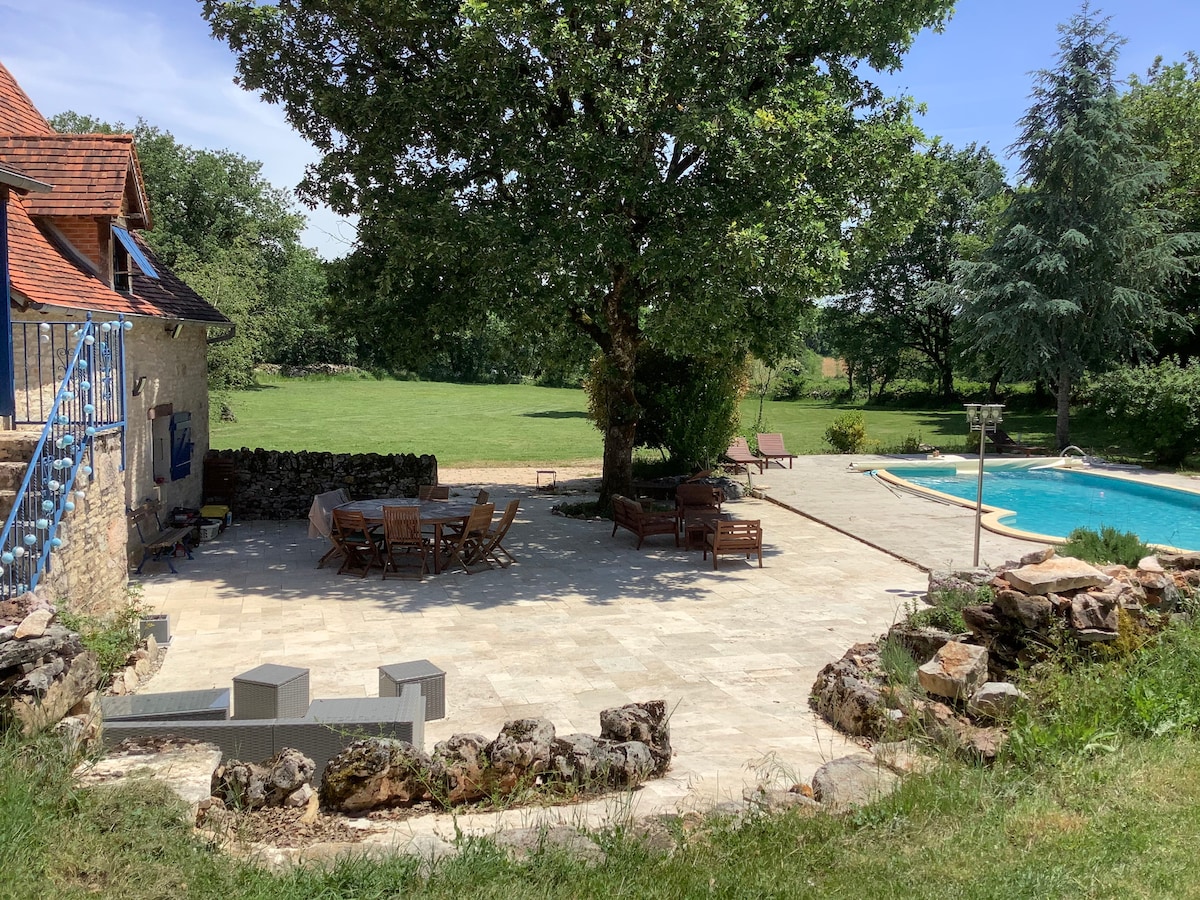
[(979, 491)]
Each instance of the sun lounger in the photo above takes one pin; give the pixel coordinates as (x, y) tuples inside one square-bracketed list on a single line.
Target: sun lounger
[(1002, 442), (770, 447), (739, 454)]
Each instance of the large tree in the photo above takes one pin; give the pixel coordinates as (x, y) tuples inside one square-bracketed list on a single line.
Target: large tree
[(1077, 274), (675, 175), (903, 290)]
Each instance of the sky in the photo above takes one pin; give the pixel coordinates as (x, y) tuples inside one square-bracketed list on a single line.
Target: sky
[(118, 60)]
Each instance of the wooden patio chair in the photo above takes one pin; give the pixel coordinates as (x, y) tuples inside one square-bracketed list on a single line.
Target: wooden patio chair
[(482, 497), (359, 547), (741, 537), (402, 537), (491, 548), (433, 492), (739, 454), (692, 496), (770, 447), (464, 546)]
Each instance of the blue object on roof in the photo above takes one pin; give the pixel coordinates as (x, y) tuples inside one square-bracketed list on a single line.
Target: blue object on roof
[(135, 251)]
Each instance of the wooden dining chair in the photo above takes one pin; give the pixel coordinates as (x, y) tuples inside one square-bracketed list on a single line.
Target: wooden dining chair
[(402, 537), (433, 492), (465, 545), (482, 497), (491, 548), (360, 548)]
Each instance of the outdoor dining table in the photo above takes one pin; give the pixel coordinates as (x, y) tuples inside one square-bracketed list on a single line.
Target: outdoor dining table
[(437, 513)]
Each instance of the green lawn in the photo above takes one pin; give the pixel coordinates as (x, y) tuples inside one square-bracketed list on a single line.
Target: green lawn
[(466, 424)]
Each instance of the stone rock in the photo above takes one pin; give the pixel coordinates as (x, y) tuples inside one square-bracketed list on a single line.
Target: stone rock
[(1180, 561), (578, 757), (773, 800), (520, 752), (78, 680), (645, 723), (300, 797), (1058, 574), (141, 668), (996, 699), (983, 620), (34, 624), (1093, 617), (152, 646), (904, 757), (251, 786), (629, 763), (845, 696), (129, 676), (460, 765), (38, 681), (376, 772), (852, 781), (944, 725), (921, 642), (186, 767), (1033, 613), (55, 640), (956, 671), (1037, 557), (958, 580), (1150, 564), (521, 843)]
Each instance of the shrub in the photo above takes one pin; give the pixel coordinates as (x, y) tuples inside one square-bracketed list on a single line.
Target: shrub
[(112, 637), (847, 433), (1156, 407), (945, 609), (1105, 546)]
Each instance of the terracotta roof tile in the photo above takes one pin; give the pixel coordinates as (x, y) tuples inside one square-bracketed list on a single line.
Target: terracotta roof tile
[(41, 273), (91, 173), (18, 115)]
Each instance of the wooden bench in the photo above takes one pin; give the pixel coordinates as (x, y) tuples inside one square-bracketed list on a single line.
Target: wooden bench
[(741, 537), (156, 541), (629, 514)]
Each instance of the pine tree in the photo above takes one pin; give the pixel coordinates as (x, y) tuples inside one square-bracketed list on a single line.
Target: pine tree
[(1077, 274)]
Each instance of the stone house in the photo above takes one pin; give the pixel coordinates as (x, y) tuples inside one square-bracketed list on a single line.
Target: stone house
[(84, 285)]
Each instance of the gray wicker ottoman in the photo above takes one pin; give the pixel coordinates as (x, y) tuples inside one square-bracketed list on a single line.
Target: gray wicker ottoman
[(271, 692), (431, 679)]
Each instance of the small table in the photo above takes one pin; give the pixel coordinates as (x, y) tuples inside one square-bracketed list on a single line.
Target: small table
[(698, 525), (433, 512)]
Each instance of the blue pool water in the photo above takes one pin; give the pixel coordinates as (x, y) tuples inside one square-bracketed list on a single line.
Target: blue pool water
[(1055, 501)]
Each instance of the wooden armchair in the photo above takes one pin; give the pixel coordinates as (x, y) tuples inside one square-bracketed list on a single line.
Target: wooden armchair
[(629, 514), (741, 537)]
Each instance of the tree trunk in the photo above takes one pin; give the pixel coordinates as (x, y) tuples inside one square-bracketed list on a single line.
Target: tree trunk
[(946, 380), (620, 432), (1062, 425), (994, 386)]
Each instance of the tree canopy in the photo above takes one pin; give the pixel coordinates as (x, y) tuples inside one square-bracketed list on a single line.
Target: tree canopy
[(677, 176), (1078, 271)]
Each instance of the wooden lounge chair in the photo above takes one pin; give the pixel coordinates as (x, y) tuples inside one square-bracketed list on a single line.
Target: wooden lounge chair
[(465, 545), (770, 447), (739, 454), (1002, 442), (433, 492), (402, 538), (359, 546), (629, 514), (741, 537), (491, 548)]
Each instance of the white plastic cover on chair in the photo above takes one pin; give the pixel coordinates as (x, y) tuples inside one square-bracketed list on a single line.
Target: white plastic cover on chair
[(320, 514)]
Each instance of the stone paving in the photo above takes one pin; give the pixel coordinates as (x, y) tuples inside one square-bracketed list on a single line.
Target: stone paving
[(581, 622)]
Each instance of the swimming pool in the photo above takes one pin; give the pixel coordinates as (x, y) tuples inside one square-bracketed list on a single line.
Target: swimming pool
[(1051, 502)]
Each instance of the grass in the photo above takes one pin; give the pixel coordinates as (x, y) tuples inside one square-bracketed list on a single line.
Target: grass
[(527, 425)]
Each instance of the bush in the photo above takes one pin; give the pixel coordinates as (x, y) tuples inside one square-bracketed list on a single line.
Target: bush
[(847, 433), (945, 609), (1105, 546), (1156, 407)]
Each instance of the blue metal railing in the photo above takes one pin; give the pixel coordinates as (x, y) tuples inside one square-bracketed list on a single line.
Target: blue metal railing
[(72, 383)]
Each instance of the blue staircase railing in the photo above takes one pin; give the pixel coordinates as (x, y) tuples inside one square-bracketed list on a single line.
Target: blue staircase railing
[(83, 363)]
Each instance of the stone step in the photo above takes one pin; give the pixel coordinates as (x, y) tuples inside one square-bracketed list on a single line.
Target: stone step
[(11, 475), (18, 445)]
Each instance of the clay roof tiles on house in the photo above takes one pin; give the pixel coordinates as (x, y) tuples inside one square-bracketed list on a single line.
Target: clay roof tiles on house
[(18, 115), (42, 272), (91, 174)]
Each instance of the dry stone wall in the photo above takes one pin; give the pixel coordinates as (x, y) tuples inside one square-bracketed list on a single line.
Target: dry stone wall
[(281, 484)]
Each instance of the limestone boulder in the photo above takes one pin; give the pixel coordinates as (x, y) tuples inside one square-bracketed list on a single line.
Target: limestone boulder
[(460, 766), (920, 641), (852, 781), (1057, 574), (1031, 613), (34, 624), (374, 773), (520, 752), (956, 671), (1093, 617), (846, 693), (645, 723), (248, 785), (78, 678), (996, 699)]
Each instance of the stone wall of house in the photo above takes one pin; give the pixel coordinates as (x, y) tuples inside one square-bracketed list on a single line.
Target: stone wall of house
[(90, 571), (279, 484), (176, 373)]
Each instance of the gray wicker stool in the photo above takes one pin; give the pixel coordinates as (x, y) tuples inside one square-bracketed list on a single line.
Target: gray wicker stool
[(422, 672), (271, 692)]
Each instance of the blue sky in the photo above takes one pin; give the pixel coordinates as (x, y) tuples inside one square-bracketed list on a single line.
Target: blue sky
[(121, 59)]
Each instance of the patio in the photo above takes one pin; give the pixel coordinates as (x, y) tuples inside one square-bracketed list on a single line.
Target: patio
[(582, 622)]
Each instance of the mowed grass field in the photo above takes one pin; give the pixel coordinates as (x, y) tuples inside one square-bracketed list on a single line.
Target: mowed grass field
[(517, 424)]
